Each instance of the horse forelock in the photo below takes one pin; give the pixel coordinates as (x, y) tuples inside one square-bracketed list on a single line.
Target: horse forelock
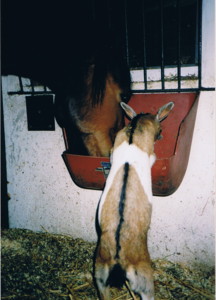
[(108, 65), (98, 84)]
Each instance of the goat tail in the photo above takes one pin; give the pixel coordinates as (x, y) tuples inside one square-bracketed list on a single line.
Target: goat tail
[(117, 276)]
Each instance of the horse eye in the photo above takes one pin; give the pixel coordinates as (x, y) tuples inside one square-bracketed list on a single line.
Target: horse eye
[(124, 97)]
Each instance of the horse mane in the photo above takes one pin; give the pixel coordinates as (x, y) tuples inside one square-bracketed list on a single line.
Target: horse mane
[(109, 62), (98, 84)]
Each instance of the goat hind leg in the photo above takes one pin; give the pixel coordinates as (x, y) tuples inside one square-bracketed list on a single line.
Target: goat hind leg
[(141, 282), (101, 275)]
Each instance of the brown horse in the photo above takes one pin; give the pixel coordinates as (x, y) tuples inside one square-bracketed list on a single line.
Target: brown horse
[(88, 106), (81, 61)]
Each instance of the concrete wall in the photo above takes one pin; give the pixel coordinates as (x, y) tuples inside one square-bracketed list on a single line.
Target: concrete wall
[(43, 196)]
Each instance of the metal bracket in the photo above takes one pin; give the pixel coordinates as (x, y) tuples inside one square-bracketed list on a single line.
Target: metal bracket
[(105, 168)]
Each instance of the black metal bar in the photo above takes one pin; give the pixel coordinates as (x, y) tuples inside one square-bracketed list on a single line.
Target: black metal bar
[(134, 91), (199, 12), (206, 89), (126, 32), (182, 90), (179, 44), (92, 8), (32, 86), (144, 46), (21, 84), (108, 10), (162, 44), (30, 93)]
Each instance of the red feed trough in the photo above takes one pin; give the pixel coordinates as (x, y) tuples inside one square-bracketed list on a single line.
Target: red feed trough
[(172, 150)]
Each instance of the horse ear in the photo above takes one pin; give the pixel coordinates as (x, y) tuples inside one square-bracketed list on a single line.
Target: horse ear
[(128, 110), (164, 111)]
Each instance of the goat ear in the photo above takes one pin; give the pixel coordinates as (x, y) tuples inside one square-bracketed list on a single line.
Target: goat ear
[(128, 110), (164, 111)]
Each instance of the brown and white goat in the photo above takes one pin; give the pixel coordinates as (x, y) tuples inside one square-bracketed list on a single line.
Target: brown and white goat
[(124, 211)]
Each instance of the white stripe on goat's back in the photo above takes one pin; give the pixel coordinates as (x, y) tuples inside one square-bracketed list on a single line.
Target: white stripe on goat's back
[(135, 157)]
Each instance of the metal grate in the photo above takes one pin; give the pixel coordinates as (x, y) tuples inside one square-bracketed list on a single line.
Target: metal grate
[(163, 51), (164, 70)]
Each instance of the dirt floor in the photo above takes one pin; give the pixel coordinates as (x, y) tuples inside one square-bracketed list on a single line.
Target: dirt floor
[(47, 266)]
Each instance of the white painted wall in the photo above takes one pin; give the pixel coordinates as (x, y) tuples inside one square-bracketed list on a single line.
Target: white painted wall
[(43, 196), (208, 43), (184, 222), (42, 193)]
